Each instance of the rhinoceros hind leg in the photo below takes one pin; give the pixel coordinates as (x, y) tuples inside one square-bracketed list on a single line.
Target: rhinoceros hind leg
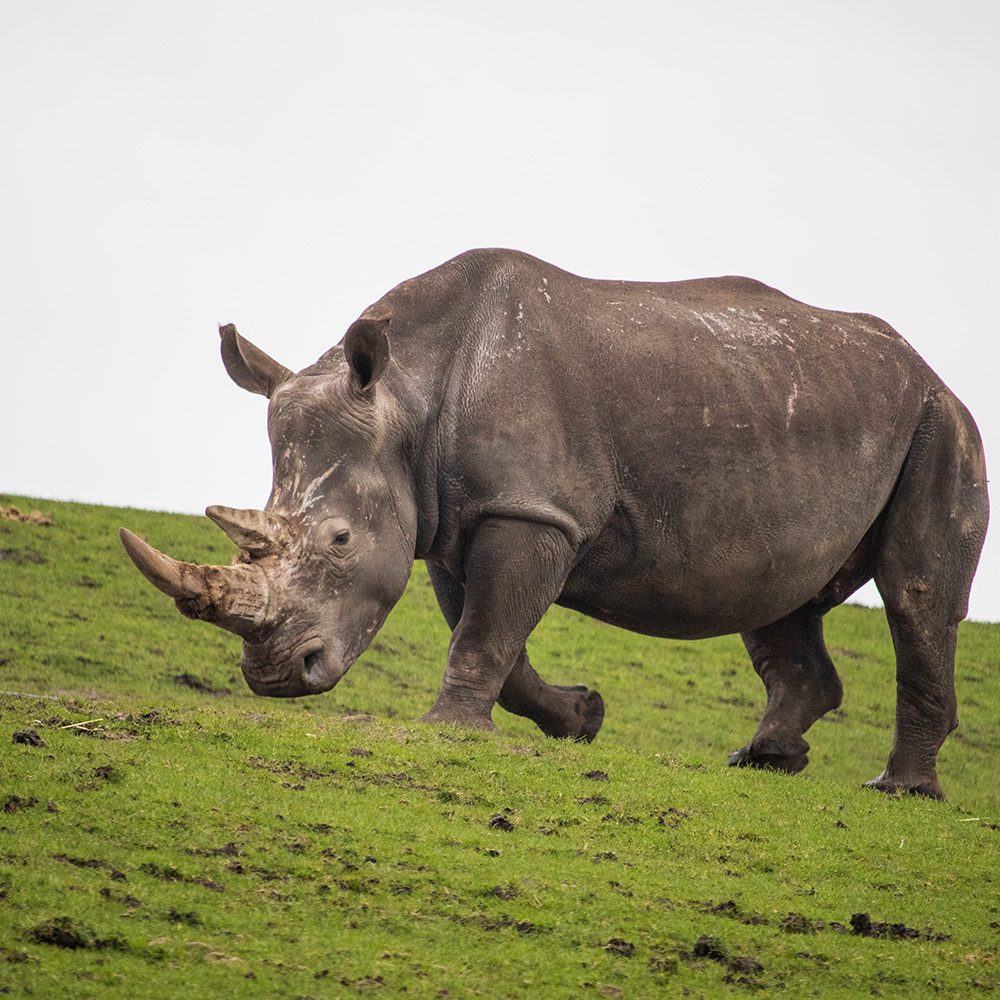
[(801, 683), (929, 549)]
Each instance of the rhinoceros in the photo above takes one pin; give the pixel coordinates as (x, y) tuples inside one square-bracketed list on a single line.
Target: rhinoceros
[(681, 459)]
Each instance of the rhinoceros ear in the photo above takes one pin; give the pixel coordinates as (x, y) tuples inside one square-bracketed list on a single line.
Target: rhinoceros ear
[(366, 346), (248, 366)]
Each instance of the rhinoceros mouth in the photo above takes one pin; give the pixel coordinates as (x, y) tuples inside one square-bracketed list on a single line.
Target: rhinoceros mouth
[(306, 671)]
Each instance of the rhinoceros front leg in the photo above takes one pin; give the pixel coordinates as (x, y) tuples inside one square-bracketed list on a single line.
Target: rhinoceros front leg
[(572, 712), (802, 684), (514, 570)]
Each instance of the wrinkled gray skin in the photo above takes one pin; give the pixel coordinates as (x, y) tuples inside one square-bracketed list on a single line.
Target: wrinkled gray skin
[(686, 459)]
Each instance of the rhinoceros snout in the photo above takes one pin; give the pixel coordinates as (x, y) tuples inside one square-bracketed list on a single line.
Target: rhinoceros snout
[(309, 670)]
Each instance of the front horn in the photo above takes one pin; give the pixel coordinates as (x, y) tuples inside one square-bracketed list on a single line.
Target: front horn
[(232, 597)]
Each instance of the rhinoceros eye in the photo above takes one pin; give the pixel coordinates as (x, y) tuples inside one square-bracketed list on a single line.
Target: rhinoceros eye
[(342, 537)]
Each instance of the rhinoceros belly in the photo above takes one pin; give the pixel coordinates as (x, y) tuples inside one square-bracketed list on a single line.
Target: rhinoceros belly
[(730, 585), (695, 549)]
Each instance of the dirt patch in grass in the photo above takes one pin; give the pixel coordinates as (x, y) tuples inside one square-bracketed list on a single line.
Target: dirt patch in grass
[(796, 923), (295, 768), (125, 898), (506, 922), (14, 957), (199, 684), (863, 925), (35, 517), (15, 803), (23, 557), (169, 873), (740, 969), (619, 946), (503, 892), (63, 932), (108, 772), (114, 874), (730, 909), (672, 817), (229, 850)]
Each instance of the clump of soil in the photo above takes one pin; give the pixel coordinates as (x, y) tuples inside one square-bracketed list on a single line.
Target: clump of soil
[(28, 738), (672, 817), (596, 775), (14, 803), (742, 969), (663, 964), (597, 800), (796, 923), (739, 967), (64, 933), (617, 946), (499, 822), (505, 922), (863, 925), (709, 947), (745, 965)]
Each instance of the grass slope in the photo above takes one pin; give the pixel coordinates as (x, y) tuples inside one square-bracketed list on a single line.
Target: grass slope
[(195, 838)]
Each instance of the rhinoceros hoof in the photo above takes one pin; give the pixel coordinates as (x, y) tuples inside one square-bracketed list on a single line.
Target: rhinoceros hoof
[(748, 757), (927, 787), (579, 720)]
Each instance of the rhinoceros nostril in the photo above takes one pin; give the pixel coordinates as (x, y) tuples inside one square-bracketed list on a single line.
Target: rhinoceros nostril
[(312, 660)]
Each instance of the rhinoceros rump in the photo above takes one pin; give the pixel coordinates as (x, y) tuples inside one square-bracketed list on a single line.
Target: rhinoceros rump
[(684, 459)]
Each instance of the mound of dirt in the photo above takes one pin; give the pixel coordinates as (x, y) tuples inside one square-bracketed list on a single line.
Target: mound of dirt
[(26, 517), (28, 738)]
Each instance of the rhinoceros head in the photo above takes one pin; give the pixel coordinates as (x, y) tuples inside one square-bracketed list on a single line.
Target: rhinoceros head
[(322, 565)]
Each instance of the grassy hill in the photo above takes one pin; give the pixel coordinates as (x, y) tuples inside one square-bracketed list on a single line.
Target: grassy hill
[(173, 832)]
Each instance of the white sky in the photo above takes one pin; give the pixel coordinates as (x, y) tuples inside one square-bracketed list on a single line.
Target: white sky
[(168, 166)]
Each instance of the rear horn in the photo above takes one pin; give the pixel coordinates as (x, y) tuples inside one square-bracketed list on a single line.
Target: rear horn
[(255, 531)]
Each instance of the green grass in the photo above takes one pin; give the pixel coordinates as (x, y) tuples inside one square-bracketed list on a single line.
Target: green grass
[(205, 842)]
